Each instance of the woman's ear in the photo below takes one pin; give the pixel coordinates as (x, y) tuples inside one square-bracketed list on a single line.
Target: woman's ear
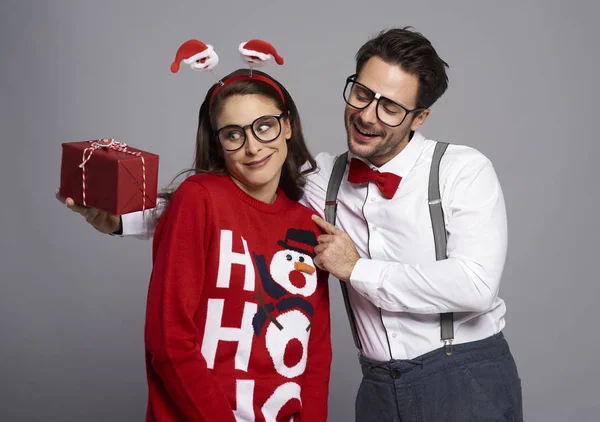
[(218, 149), (287, 128)]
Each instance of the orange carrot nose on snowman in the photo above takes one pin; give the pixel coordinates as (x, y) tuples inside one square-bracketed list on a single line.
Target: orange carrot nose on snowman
[(196, 54), (257, 52), (304, 267)]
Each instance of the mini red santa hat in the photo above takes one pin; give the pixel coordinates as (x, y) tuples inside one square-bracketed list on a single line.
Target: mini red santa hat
[(257, 52), (199, 56)]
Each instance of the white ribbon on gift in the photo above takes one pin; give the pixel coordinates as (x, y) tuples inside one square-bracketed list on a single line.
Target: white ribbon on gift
[(111, 144)]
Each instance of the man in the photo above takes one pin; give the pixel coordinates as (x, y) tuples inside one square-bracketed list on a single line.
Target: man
[(382, 248)]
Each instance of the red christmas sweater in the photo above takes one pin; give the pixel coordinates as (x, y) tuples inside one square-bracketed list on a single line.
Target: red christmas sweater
[(237, 324)]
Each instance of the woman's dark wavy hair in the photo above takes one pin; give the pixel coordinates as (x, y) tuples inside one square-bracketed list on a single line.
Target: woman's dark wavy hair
[(209, 155)]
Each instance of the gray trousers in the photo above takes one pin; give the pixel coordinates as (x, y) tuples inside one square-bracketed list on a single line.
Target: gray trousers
[(479, 382)]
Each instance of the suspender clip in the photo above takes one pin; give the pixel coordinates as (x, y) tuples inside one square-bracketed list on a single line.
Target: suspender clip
[(448, 347)]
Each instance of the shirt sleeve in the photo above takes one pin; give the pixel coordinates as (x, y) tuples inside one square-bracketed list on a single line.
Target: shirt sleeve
[(316, 184), (142, 224), (315, 390), (468, 281), (172, 337)]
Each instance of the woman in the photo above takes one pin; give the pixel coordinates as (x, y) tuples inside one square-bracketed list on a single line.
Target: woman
[(237, 324), (237, 318)]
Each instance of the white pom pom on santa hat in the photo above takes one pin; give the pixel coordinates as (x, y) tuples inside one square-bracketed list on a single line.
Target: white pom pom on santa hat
[(259, 49), (193, 51)]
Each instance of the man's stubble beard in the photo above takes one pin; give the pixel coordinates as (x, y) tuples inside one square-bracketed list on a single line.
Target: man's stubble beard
[(387, 148)]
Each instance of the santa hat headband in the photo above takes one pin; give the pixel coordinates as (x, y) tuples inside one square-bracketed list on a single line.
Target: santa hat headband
[(199, 56), (202, 57), (249, 77)]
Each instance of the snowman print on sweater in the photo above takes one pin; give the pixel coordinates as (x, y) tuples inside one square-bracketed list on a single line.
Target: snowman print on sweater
[(284, 311)]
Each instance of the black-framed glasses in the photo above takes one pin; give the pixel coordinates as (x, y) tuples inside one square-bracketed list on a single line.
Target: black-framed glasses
[(389, 112), (265, 129)]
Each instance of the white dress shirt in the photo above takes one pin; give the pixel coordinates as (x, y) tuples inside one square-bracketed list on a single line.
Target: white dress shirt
[(397, 288)]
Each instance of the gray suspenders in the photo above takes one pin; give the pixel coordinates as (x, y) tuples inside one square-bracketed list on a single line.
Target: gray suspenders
[(339, 167), (439, 234)]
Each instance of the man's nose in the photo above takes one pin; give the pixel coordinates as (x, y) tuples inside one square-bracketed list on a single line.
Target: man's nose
[(369, 114)]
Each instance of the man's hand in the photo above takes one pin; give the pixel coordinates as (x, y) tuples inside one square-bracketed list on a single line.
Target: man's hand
[(100, 220), (336, 253)]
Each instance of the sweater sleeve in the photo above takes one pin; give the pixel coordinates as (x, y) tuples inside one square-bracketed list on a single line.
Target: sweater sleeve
[(172, 337), (315, 391)]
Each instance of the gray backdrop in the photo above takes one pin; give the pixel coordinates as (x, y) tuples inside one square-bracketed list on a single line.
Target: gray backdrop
[(523, 90)]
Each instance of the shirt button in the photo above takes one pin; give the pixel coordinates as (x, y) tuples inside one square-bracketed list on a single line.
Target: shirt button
[(374, 228), (394, 335), (373, 199)]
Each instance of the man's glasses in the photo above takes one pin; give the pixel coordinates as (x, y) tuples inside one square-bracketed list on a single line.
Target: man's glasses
[(388, 112), (265, 129)]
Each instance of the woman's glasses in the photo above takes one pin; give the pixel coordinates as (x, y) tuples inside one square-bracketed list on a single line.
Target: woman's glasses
[(265, 129)]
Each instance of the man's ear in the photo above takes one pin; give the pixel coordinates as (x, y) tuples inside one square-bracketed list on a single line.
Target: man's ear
[(420, 119)]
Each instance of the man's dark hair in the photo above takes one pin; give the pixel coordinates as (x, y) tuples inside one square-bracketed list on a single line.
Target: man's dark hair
[(414, 54)]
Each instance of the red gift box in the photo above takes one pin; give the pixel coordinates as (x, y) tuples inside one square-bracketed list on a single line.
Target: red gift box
[(109, 175)]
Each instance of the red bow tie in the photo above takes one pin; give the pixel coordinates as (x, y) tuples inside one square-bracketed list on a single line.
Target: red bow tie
[(361, 173)]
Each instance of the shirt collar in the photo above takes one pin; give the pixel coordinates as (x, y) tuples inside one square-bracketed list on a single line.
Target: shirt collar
[(402, 163)]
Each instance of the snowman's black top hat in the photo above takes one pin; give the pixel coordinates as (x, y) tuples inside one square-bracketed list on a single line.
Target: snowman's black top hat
[(302, 241)]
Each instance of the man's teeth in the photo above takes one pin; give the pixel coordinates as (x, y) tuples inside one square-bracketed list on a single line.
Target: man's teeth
[(365, 133)]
